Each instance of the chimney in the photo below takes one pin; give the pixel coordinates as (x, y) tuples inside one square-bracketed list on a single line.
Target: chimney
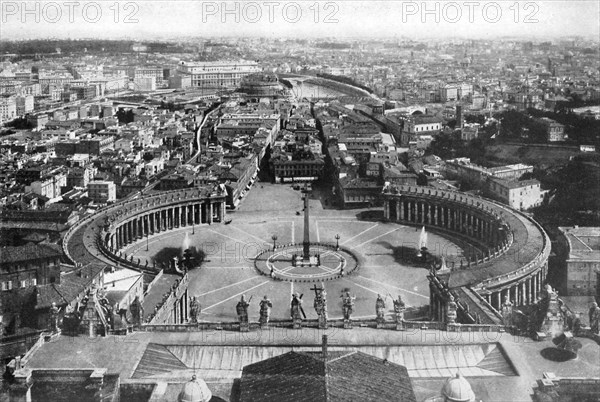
[(324, 347)]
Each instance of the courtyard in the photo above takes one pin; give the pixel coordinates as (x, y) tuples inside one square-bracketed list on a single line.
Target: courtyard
[(382, 248)]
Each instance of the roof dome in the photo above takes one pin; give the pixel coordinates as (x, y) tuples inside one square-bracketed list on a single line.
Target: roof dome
[(457, 389), (195, 390)]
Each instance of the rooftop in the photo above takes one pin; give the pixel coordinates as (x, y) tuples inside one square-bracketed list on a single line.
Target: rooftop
[(161, 285), (342, 376), (10, 255), (219, 355), (584, 242)]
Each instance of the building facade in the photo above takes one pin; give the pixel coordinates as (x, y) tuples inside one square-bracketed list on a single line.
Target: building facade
[(22, 270), (49, 186), (521, 195), (554, 131), (579, 248), (219, 74), (102, 191)]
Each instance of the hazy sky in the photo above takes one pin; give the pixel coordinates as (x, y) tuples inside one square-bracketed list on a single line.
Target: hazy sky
[(151, 19)]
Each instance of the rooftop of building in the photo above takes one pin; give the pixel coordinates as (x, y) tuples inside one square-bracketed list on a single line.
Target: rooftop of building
[(10, 255), (121, 279), (508, 168), (514, 184), (73, 282), (340, 376), (160, 286), (218, 357), (584, 242), (423, 119)]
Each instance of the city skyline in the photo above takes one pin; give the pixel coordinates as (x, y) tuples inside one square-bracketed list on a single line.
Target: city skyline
[(153, 20)]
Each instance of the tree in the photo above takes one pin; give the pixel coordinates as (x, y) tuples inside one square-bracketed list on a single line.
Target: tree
[(125, 115)]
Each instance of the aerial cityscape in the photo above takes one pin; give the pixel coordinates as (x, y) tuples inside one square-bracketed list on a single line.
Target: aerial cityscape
[(300, 201)]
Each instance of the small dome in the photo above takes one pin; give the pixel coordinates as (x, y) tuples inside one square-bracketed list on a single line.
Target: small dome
[(457, 389), (195, 390)]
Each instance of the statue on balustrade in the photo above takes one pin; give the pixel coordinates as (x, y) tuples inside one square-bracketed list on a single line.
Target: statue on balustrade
[(348, 305), (594, 315), (399, 305), (548, 292), (507, 311), (54, 312), (242, 309), (296, 310), (265, 310), (576, 324), (380, 308), (451, 311), (137, 311), (320, 303), (195, 310)]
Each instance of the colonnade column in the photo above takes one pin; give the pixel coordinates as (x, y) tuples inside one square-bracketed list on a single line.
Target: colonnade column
[(482, 235)]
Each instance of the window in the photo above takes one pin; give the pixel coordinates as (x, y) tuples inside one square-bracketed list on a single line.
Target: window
[(33, 282)]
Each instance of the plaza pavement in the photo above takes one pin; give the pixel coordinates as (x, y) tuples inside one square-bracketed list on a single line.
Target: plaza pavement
[(271, 209)]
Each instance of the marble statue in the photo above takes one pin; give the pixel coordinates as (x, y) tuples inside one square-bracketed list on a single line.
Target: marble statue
[(265, 310)]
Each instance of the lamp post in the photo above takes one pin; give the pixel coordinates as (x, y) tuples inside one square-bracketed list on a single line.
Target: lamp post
[(337, 242), (274, 237)]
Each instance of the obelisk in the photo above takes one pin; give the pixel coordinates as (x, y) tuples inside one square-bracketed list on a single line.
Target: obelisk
[(306, 242)]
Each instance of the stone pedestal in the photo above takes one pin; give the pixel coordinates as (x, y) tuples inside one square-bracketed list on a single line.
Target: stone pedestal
[(347, 324), (310, 261), (553, 324), (244, 327), (452, 327), (400, 320), (380, 323), (20, 389), (322, 322), (264, 325), (296, 323)]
